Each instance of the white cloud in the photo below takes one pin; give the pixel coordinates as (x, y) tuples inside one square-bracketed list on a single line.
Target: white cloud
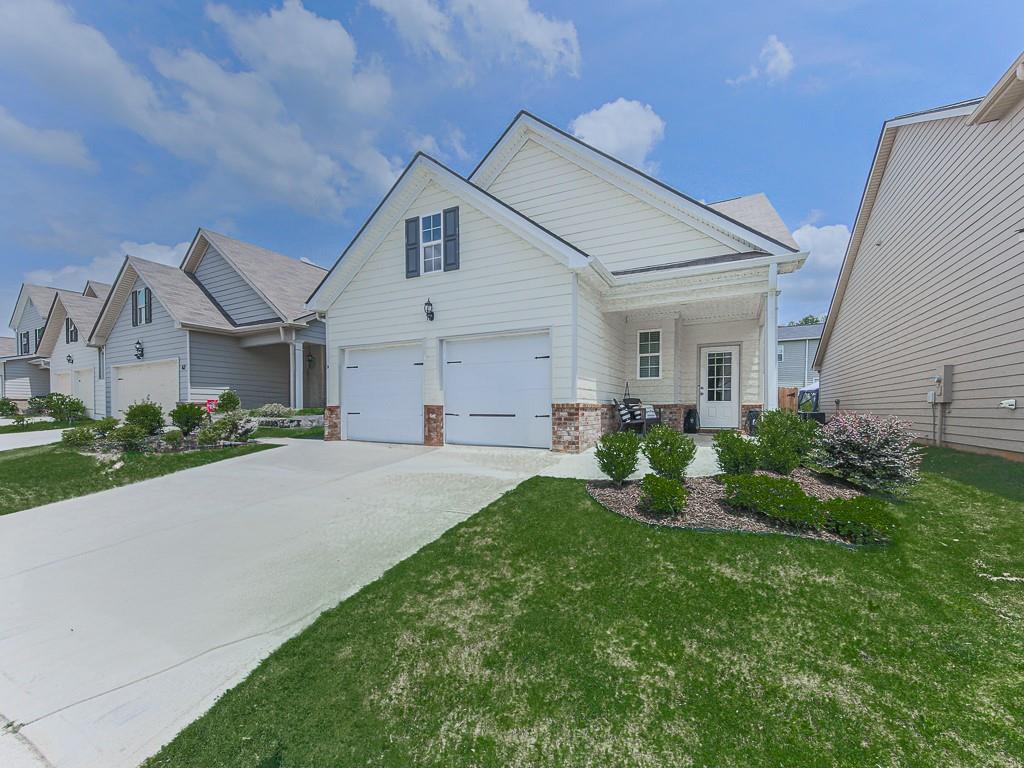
[(457, 142), (625, 129), (104, 268), (50, 146), (808, 291), (495, 29), (291, 128), (775, 64)]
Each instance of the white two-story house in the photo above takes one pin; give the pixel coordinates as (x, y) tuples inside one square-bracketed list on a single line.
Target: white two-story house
[(512, 307)]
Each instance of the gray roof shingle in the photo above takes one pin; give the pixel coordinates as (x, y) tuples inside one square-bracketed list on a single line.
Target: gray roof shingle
[(793, 332), (757, 212), (179, 294)]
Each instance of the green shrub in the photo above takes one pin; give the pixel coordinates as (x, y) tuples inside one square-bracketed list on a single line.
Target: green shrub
[(102, 427), (778, 498), (310, 412), (228, 401), (188, 417), (273, 410), (64, 407), (663, 495), (37, 405), (8, 410), (147, 416), (736, 454), (78, 437), (618, 454), (128, 437), (212, 433), (173, 437), (862, 520), (873, 452), (669, 452), (783, 438)]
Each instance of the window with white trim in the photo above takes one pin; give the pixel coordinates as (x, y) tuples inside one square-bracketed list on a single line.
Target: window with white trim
[(648, 354), (70, 331), (780, 353), (23, 348), (140, 307), (431, 246), (39, 338)]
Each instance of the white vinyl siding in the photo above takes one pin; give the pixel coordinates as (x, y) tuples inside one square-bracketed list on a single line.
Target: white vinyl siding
[(160, 340), (939, 279), (795, 367), (242, 304), (31, 322), (23, 380), (617, 227), (84, 357), (503, 285), (601, 351), (744, 333)]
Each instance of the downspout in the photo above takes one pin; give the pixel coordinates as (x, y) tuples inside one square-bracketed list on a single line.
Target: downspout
[(771, 336), (574, 357)]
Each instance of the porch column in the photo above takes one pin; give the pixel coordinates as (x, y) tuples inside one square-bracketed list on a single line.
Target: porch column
[(771, 340), (298, 374)]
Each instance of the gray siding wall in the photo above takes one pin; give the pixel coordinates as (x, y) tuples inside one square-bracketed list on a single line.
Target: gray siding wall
[(943, 285), (314, 333), (259, 375), (31, 320), (23, 380), (160, 340), (795, 368), (228, 289)]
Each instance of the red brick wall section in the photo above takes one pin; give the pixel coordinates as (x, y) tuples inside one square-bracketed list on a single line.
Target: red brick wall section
[(332, 422), (672, 414), (575, 427), (433, 425)]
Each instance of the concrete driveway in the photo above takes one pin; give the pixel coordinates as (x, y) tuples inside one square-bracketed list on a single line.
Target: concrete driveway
[(123, 615)]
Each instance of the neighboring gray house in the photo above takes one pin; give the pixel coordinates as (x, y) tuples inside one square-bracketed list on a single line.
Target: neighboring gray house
[(232, 316), (927, 318), (25, 372), (797, 345)]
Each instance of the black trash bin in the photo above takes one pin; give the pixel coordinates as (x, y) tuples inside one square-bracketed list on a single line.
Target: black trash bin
[(691, 421), (753, 416)]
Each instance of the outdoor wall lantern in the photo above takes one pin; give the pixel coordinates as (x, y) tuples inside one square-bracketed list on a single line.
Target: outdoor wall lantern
[(139, 350), (70, 359), (428, 310), (310, 361)]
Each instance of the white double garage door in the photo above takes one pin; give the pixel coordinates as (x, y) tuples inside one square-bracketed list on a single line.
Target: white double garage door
[(497, 391)]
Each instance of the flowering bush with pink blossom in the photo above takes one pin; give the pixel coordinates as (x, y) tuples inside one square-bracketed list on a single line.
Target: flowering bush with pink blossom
[(873, 452)]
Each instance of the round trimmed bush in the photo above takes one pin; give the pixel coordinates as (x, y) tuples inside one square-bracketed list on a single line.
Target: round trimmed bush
[(8, 409), (663, 495), (669, 452), (146, 415), (78, 437), (228, 401), (128, 437), (873, 452), (783, 439), (618, 454), (188, 417), (736, 454), (102, 427), (173, 437)]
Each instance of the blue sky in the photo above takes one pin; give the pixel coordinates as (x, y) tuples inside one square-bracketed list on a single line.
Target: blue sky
[(124, 126)]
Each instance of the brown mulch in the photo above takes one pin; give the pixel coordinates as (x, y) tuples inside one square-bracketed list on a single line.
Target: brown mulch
[(706, 508)]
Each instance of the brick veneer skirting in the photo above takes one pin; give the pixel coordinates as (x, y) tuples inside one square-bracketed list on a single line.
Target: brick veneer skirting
[(577, 426), (332, 422), (433, 425)]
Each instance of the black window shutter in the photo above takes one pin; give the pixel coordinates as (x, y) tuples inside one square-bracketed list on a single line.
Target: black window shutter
[(451, 239), (149, 306), (135, 308), (412, 247)]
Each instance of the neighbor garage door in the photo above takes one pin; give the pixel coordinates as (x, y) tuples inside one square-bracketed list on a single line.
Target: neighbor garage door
[(157, 381), (382, 394), (497, 391)]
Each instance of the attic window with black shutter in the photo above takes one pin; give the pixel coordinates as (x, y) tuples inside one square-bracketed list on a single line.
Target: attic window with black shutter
[(70, 331), (432, 243), (142, 306)]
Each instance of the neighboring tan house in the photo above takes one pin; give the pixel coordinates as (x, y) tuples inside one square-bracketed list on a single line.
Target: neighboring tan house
[(795, 354), (512, 307), (75, 367), (25, 373), (927, 318), (230, 317)]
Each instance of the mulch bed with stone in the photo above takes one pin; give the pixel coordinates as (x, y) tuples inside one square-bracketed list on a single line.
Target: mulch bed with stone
[(707, 510)]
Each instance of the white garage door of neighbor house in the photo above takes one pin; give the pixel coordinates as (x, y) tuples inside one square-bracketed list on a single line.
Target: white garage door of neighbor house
[(134, 383), (382, 394), (497, 391), (84, 388), (61, 382)]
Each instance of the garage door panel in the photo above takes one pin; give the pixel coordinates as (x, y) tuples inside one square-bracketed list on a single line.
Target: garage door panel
[(498, 391), (156, 381), (382, 395)]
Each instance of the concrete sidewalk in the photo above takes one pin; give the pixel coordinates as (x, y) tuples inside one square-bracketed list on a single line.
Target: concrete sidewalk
[(584, 465), (125, 614)]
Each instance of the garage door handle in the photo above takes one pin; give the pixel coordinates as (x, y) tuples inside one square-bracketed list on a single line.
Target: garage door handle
[(542, 416), (450, 414), (417, 363), (351, 366), (542, 357), (453, 362), (352, 413)]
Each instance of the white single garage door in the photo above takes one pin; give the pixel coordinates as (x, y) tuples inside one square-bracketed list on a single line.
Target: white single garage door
[(497, 391), (84, 388), (61, 382), (382, 394), (157, 381)]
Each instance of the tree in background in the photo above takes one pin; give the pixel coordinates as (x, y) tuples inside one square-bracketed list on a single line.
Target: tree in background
[(807, 320)]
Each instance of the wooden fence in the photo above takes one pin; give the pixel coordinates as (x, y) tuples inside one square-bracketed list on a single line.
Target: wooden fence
[(787, 398)]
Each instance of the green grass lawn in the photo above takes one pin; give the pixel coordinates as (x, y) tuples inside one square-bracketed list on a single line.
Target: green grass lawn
[(546, 631), (304, 433), (40, 426), (30, 477)]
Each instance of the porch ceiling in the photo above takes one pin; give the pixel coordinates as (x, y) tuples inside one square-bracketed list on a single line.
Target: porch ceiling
[(722, 310), (706, 296)]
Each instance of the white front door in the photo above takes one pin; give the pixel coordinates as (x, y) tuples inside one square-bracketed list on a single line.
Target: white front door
[(84, 389), (719, 387), (382, 394), (497, 391)]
